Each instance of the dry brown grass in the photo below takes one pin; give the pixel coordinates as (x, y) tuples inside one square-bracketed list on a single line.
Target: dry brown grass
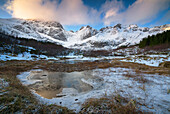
[(141, 68), (25, 101), (19, 98), (113, 105), (165, 64), (138, 76)]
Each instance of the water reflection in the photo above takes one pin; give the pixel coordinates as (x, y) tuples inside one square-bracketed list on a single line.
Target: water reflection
[(58, 84)]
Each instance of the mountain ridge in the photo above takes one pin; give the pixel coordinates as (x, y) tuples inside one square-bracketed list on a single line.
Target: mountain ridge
[(87, 38)]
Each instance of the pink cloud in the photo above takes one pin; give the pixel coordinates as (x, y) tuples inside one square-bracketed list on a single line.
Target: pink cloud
[(68, 12), (74, 12), (141, 12)]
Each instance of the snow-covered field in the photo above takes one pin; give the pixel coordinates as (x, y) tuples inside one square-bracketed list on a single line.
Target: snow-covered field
[(24, 56), (21, 56), (68, 58), (150, 60), (151, 90)]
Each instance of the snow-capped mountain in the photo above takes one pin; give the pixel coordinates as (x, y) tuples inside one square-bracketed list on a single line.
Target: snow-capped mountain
[(86, 38)]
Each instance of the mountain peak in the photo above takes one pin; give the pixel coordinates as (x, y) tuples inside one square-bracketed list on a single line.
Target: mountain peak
[(85, 27), (86, 38), (118, 26)]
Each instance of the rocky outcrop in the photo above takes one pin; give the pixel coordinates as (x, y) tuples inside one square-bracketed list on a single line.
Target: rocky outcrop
[(86, 32), (38, 29)]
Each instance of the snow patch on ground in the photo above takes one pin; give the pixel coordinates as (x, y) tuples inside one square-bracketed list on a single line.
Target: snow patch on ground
[(25, 56), (23, 77), (150, 60), (113, 81), (69, 58)]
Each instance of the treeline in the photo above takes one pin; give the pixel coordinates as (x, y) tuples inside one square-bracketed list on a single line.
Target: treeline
[(47, 48), (159, 39), (16, 45)]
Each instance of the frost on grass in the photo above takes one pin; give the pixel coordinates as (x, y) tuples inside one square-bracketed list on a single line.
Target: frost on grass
[(24, 77), (24, 56), (3, 85), (150, 60), (150, 91)]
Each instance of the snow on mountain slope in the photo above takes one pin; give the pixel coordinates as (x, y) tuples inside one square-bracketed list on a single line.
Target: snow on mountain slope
[(86, 38), (79, 36), (113, 37), (33, 29), (86, 32)]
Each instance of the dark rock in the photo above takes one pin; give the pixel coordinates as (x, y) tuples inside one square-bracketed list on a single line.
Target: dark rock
[(145, 29), (81, 28), (71, 31), (57, 34), (118, 26)]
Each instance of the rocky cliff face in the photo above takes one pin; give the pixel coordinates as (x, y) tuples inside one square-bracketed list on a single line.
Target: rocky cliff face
[(86, 38), (86, 32), (36, 29)]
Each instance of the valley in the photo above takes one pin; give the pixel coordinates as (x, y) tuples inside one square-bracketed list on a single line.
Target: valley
[(44, 68)]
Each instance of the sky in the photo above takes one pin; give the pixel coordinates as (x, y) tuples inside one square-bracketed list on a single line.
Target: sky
[(73, 14)]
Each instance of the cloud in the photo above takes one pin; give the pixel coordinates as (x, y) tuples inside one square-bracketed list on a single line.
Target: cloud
[(31, 9), (140, 12), (110, 9), (75, 12), (68, 12), (110, 13)]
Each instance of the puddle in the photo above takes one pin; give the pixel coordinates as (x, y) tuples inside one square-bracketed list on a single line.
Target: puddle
[(71, 90), (58, 84)]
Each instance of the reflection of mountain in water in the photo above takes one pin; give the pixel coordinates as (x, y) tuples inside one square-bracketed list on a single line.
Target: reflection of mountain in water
[(54, 83), (68, 80)]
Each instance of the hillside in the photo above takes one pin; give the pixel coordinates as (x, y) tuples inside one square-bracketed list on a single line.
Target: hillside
[(159, 39), (86, 38)]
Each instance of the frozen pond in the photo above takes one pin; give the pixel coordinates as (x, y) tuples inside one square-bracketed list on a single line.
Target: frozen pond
[(71, 90), (58, 84)]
